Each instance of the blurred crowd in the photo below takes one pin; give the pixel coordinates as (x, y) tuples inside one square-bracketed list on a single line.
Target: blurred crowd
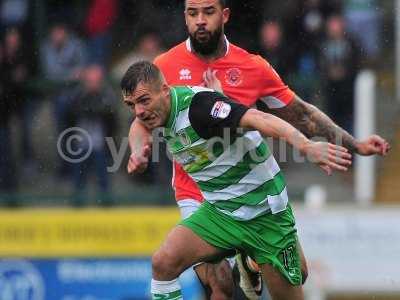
[(70, 55)]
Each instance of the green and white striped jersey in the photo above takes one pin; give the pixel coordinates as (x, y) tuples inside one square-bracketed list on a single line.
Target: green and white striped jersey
[(235, 171)]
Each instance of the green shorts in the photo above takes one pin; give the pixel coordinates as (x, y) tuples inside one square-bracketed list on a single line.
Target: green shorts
[(269, 238)]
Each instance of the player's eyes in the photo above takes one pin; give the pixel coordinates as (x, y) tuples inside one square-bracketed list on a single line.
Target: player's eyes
[(192, 13), (210, 12), (144, 101)]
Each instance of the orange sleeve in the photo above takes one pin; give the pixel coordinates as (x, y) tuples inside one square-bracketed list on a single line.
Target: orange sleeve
[(273, 91)]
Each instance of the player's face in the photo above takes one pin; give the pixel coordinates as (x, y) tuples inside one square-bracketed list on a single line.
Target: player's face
[(205, 21), (150, 104)]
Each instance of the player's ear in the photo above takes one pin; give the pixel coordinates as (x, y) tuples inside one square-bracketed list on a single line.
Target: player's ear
[(165, 89), (185, 15), (226, 12)]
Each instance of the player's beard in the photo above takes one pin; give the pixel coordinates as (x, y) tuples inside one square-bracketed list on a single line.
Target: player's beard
[(208, 47)]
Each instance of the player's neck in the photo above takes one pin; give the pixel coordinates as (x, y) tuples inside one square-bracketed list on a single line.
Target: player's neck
[(218, 53)]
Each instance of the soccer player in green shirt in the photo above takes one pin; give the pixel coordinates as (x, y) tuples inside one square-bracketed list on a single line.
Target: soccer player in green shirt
[(246, 204)]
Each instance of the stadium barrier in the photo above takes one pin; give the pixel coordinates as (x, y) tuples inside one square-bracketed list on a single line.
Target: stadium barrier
[(81, 233), (76, 254)]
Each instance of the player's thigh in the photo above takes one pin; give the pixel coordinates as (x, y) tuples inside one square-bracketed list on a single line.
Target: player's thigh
[(303, 262), (278, 286), (182, 249)]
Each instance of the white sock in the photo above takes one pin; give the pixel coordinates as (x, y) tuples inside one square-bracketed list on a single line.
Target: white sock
[(166, 290)]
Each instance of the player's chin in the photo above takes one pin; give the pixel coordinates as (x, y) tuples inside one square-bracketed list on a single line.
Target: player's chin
[(152, 124), (147, 124), (202, 38)]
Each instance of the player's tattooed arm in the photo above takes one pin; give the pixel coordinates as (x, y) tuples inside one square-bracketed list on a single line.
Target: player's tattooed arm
[(314, 123)]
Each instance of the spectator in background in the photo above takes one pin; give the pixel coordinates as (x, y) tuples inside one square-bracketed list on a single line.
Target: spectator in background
[(312, 26), (93, 109), (13, 13), (305, 78), (311, 17), (363, 21), (303, 27), (63, 56), (339, 65), (148, 47), (274, 49), (15, 73), (98, 24)]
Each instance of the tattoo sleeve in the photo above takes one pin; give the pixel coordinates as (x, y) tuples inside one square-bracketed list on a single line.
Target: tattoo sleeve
[(313, 123)]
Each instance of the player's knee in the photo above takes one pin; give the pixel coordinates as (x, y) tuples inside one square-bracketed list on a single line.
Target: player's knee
[(165, 266)]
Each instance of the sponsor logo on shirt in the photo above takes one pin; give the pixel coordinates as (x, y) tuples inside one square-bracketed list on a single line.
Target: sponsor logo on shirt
[(233, 77), (220, 110), (185, 74)]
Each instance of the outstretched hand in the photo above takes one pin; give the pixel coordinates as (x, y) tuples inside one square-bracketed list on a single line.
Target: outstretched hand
[(374, 144), (328, 156)]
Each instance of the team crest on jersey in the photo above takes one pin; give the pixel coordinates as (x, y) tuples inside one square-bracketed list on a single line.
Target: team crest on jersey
[(185, 74), (220, 110), (183, 137), (233, 77)]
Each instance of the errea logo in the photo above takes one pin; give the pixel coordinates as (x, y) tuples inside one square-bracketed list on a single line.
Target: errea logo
[(185, 74)]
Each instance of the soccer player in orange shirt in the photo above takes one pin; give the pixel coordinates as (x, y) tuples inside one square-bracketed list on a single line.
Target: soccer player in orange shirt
[(207, 58)]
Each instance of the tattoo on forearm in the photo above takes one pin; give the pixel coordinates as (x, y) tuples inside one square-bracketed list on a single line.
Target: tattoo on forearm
[(314, 123)]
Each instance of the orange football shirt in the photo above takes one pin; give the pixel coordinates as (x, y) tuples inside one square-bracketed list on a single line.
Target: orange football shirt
[(244, 77)]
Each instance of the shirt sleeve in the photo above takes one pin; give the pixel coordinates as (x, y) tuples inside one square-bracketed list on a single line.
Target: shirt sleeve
[(210, 113), (274, 92)]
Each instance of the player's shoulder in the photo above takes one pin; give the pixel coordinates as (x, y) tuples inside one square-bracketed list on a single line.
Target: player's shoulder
[(177, 52), (236, 50), (239, 54)]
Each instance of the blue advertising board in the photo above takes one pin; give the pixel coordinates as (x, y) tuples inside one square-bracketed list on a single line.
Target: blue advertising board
[(83, 279)]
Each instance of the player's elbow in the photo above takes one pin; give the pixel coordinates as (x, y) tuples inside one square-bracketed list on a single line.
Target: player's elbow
[(265, 123), (249, 119)]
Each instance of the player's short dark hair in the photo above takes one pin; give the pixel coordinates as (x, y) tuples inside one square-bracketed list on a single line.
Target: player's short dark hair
[(142, 71), (221, 2)]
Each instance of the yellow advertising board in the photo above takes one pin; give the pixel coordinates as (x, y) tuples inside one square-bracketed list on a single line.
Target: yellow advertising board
[(84, 232)]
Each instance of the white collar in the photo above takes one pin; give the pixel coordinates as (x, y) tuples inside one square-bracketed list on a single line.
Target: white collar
[(189, 46)]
